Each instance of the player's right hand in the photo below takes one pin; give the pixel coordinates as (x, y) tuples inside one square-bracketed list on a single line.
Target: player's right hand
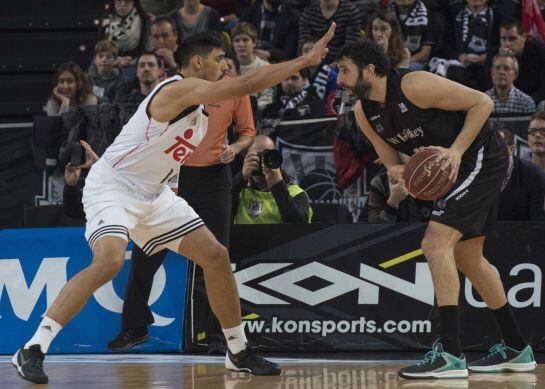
[(319, 50)]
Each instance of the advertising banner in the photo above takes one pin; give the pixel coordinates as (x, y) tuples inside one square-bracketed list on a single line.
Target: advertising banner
[(35, 265), (368, 287)]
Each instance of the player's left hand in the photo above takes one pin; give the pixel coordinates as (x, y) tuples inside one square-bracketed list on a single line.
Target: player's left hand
[(452, 158), (228, 153)]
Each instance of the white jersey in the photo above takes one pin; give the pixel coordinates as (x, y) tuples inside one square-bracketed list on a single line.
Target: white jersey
[(148, 153)]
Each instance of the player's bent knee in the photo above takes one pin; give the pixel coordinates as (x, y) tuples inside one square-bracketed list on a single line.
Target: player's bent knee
[(216, 257), (105, 269)]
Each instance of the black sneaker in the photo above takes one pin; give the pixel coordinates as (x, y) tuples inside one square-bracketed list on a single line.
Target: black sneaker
[(502, 358), (437, 364), (249, 361), (30, 364), (217, 345), (129, 338)]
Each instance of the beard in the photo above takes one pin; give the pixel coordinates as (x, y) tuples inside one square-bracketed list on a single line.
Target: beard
[(362, 89)]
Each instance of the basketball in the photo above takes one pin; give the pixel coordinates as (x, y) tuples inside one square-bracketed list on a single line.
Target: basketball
[(424, 178)]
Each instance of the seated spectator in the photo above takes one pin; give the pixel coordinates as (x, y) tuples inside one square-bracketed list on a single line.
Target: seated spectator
[(105, 78), (125, 24), (536, 139), (244, 38), (322, 78), (418, 28), (506, 97), (316, 19), (164, 37), (523, 191), (384, 29), (233, 66), (147, 74), (72, 194), (296, 102), (277, 29), (530, 55), (194, 17), (467, 39), (389, 202), (268, 197), (70, 89)]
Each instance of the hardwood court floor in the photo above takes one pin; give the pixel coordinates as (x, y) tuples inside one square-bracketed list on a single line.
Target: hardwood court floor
[(198, 372)]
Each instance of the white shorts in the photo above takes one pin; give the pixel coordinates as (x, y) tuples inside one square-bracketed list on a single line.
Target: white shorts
[(115, 207)]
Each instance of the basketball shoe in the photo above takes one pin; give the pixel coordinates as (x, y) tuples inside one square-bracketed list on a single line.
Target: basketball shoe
[(437, 364), (249, 361), (502, 358), (129, 338), (30, 364)]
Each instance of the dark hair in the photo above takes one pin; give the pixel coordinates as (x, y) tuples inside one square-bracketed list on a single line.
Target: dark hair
[(232, 56), (201, 44), (305, 73), (310, 38), (396, 47), (165, 19), (366, 52), (83, 89), (539, 115), (509, 23), (152, 53)]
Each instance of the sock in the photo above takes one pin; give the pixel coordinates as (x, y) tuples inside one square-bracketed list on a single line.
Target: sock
[(46, 332), (236, 338), (509, 328), (450, 336)]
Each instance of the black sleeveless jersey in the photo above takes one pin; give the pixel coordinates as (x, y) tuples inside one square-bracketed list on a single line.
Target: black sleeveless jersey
[(405, 127)]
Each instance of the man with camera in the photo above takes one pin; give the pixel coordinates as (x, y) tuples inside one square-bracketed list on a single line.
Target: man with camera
[(263, 193)]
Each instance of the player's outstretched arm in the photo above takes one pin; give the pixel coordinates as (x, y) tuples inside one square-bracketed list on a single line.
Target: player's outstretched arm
[(176, 97)]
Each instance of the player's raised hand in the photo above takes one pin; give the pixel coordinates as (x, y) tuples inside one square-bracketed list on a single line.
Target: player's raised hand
[(319, 50)]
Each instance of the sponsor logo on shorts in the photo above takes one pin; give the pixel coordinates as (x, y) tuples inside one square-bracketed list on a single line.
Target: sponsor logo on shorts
[(462, 194), (438, 213), (441, 203)]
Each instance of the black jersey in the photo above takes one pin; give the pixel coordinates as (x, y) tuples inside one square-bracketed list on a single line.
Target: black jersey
[(405, 127)]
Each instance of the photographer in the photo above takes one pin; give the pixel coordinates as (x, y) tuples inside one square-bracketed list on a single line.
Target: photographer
[(82, 157), (263, 193)]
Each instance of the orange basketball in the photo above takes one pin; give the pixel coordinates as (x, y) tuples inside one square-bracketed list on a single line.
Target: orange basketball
[(423, 176)]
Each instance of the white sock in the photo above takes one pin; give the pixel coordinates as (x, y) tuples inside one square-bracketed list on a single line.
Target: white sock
[(46, 332), (236, 338)]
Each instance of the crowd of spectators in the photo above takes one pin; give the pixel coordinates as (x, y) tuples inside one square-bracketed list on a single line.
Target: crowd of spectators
[(479, 43)]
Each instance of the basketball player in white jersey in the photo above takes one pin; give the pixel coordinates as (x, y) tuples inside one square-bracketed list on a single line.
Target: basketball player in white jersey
[(126, 197)]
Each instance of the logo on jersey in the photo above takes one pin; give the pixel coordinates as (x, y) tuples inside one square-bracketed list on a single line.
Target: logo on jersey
[(182, 149), (406, 135), (379, 128), (402, 108)]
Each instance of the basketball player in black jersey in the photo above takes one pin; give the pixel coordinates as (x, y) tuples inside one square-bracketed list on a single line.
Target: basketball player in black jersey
[(401, 112)]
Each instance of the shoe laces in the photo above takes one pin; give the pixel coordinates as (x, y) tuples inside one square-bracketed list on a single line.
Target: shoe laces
[(430, 357), (37, 357), (498, 348)]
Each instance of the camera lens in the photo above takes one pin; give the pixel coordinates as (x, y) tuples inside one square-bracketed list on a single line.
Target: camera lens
[(272, 158)]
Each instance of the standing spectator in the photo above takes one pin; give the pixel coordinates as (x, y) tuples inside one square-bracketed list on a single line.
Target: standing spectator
[(467, 39), (164, 37), (147, 74), (322, 78), (418, 28), (277, 26), (244, 37), (126, 25), (523, 191), (530, 55), (105, 78), (536, 139), (70, 89), (316, 19), (384, 29), (195, 17), (389, 202), (296, 102), (506, 97)]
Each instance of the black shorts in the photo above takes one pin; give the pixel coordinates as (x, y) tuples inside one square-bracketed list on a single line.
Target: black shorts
[(471, 206)]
